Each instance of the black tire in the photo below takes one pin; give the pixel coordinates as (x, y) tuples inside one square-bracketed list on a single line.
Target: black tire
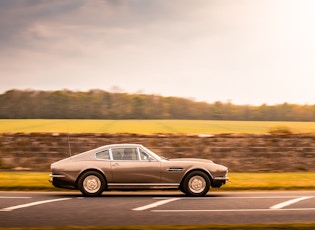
[(91, 183), (196, 183), (181, 188)]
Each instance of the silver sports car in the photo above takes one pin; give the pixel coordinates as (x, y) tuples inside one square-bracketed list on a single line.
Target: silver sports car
[(133, 166)]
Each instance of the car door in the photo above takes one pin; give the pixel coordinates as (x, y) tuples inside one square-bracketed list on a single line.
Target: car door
[(134, 165)]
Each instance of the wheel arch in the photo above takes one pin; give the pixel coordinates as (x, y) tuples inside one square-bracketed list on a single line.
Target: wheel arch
[(196, 170), (90, 170)]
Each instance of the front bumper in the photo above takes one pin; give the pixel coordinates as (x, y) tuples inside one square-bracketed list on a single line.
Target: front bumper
[(218, 181)]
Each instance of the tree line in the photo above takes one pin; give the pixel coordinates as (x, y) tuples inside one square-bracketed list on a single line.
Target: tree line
[(99, 104)]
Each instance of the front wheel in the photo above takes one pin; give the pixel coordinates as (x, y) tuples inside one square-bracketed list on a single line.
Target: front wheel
[(196, 184), (91, 183)]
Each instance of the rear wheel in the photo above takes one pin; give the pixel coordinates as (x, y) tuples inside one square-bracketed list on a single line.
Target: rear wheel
[(196, 183), (91, 183)]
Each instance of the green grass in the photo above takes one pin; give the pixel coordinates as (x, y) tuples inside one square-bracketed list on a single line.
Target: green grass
[(238, 181), (271, 181), (25, 181), (151, 126)]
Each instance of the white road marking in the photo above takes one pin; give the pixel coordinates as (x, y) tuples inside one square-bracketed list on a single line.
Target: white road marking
[(221, 198), (289, 202), (237, 210), (14, 197), (31, 204), (277, 207), (155, 204)]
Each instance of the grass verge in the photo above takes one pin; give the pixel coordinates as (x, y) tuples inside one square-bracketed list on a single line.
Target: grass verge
[(271, 181), (238, 181)]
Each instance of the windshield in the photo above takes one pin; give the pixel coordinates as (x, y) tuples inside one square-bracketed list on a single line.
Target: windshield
[(152, 153)]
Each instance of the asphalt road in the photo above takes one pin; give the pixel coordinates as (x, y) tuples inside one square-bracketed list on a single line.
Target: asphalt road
[(154, 208)]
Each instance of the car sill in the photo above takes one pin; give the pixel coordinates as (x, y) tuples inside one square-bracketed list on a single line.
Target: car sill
[(142, 185)]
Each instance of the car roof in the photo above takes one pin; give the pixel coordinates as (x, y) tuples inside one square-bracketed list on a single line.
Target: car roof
[(121, 145)]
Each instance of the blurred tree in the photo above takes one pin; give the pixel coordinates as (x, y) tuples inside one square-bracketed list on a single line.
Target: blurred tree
[(99, 104)]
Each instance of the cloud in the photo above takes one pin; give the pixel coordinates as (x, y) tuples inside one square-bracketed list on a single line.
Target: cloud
[(221, 49), (23, 22)]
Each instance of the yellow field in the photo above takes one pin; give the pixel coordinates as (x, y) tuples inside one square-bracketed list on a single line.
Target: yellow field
[(150, 126)]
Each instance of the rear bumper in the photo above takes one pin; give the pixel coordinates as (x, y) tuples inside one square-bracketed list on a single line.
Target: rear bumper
[(56, 176), (60, 181)]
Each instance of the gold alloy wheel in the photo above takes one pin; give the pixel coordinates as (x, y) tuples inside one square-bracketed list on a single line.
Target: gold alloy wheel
[(92, 184), (197, 184)]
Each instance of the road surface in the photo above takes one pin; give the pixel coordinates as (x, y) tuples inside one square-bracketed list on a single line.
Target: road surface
[(154, 208)]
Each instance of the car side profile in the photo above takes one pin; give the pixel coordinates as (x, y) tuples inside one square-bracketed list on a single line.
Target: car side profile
[(133, 166)]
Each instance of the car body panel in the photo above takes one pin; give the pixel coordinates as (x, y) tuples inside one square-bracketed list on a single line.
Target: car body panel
[(132, 166), (136, 171)]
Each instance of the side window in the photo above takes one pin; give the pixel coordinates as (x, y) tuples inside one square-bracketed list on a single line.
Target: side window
[(125, 154), (117, 154), (103, 155), (144, 156), (130, 154)]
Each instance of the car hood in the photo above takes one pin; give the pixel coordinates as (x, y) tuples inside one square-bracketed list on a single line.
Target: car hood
[(191, 159)]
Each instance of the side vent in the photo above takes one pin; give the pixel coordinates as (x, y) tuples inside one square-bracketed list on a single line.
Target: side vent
[(175, 169)]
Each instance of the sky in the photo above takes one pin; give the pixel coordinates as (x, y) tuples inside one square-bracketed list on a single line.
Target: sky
[(241, 51)]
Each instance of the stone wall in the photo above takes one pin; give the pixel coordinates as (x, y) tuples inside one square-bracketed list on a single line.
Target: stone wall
[(241, 153)]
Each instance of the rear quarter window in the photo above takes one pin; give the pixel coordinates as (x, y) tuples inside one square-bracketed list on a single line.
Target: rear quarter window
[(102, 155)]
